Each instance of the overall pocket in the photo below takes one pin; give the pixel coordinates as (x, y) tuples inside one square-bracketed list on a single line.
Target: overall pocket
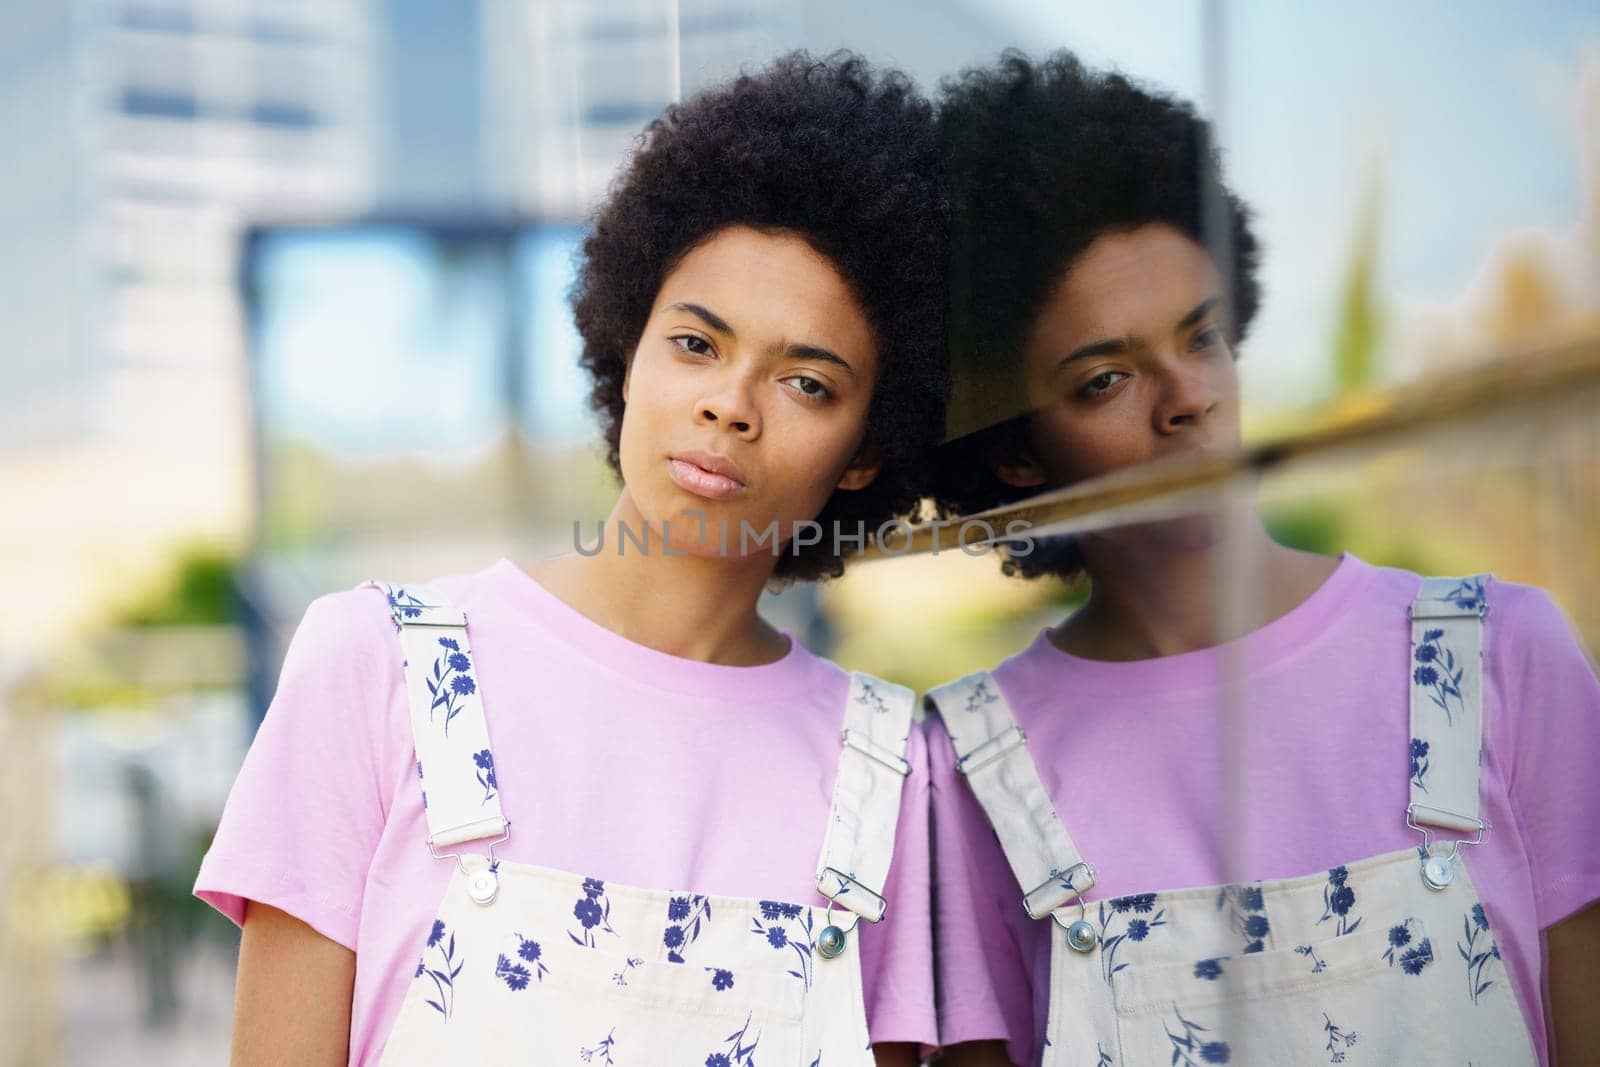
[(597, 1007), (1314, 1003)]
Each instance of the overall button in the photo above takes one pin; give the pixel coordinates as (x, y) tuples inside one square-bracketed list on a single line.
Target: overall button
[(482, 886), (1437, 871), (1081, 936), (831, 942)]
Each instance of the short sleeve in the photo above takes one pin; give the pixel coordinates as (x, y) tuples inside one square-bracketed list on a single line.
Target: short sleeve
[(306, 812), (897, 952), (981, 972), (1549, 735)]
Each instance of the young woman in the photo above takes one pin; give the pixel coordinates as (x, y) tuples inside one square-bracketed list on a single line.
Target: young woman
[(666, 852), (1125, 874)]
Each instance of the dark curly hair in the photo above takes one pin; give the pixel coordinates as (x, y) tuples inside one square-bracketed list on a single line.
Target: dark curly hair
[(1042, 159), (843, 157)]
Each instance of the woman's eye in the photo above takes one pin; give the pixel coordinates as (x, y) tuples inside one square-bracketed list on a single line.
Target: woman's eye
[(1100, 383), (809, 386), (1208, 337), (690, 343)]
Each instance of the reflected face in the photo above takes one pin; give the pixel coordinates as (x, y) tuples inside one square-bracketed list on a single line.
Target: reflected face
[(1129, 361), (748, 393)]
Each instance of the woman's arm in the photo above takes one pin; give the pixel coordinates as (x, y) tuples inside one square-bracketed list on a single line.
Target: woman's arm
[(1572, 947), (292, 996)]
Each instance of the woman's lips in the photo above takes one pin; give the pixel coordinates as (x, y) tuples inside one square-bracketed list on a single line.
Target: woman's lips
[(701, 482)]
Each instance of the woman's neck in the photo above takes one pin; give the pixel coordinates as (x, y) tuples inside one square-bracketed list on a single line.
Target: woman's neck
[(696, 607), (1155, 590)]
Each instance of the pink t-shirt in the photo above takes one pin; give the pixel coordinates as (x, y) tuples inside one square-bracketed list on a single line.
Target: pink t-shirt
[(1132, 755), (614, 761)]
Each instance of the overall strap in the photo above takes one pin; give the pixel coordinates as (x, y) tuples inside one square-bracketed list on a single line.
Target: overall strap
[(859, 841), (459, 791), (991, 751), (1446, 683)]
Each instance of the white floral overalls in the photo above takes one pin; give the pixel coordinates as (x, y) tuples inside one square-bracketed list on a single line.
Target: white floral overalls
[(526, 964), (1388, 960)]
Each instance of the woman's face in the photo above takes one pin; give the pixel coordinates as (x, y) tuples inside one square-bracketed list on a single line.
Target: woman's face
[(1129, 361), (747, 396)]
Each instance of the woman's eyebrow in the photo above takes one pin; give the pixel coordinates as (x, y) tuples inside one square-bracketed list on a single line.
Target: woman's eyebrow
[(1201, 310), (794, 350), (711, 318), (1109, 347), (817, 354)]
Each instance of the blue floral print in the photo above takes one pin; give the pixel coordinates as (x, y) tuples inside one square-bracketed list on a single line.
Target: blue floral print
[(1134, 929), (1318, 964), (516, 975), (981, 694), (445, 973), (1403, 949), (592, 911), (1338, 900), (1209, 970), (1105, 1059), (403, 605), (530, 951), (1436, 670), (621, 977), (450, 681), (1338, 1040), (870, 698), (1419, 763), (1190, 1048), (485, 763), (721, 979), (737, 1054), (1246, 914), (685, 914), (1477, 955), (796, 936), (1468, 595), (603, 1050)]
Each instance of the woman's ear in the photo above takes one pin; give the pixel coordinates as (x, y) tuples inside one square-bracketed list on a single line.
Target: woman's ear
[(1019, 468), (863, 468)]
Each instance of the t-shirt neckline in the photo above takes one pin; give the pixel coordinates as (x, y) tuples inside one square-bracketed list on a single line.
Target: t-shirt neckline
[(642, 663), (1203, 667)]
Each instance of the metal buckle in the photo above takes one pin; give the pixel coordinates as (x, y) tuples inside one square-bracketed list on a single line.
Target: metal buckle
[(1428, 835), (1003, 742), (875, 752), (428, 615), (846, 884), (1444, 612), (1065, 879), (460, 858)]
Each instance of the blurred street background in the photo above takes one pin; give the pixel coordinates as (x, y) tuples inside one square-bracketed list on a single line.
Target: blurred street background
[(284, 286)]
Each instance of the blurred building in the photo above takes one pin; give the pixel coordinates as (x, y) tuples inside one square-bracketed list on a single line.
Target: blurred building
[(149, 135)]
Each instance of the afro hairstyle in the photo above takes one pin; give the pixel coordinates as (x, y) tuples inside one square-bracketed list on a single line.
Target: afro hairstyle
[(1043, 158), (845, 158)]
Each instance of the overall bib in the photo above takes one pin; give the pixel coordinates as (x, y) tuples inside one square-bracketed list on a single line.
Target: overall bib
[(1387, 960), (526, 964)]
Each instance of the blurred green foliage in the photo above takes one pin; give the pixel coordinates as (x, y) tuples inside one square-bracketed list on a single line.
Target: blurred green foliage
[(1360, 325), (202, 591)]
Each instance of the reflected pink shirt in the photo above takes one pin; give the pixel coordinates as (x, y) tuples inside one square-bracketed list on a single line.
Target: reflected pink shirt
[(1131, 754), (614, 761)]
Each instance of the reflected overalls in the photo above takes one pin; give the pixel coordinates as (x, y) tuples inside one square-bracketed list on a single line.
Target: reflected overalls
[(1205, 988)]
